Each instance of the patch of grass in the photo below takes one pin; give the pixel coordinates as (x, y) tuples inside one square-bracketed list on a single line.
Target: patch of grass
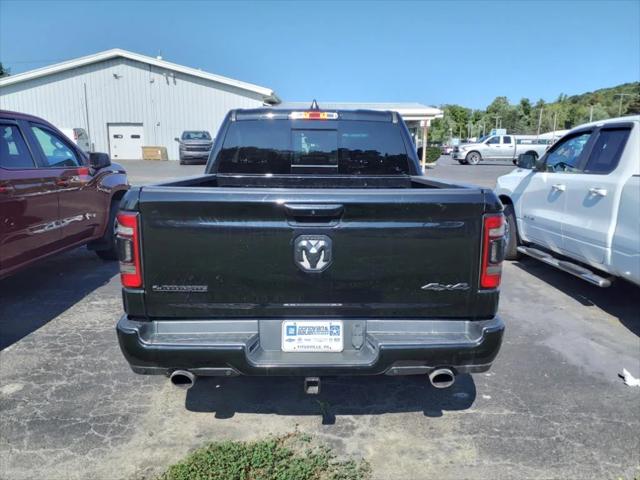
[(289, 457)]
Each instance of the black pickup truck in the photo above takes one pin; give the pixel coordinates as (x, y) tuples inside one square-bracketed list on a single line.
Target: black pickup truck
[(312, 246)]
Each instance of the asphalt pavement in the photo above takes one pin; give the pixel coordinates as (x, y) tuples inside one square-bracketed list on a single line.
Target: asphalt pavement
[(552, 406)]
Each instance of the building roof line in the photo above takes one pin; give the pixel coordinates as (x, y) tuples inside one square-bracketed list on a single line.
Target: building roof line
[(268, 93)]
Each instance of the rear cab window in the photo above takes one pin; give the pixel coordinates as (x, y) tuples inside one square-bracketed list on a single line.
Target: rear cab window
[(607, 150), (344, 147)]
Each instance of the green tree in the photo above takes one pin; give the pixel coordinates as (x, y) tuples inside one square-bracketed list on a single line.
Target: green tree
[(525, 106), (4, 71), (522, 118), (634, 105)]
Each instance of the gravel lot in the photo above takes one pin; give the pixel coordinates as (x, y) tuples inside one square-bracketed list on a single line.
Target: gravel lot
[(552, 406)]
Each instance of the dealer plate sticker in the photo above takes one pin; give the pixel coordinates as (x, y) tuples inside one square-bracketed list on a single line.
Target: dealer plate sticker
[(312, 336)]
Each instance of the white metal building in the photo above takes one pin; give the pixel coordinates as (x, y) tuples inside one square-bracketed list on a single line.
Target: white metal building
[(126, 100)]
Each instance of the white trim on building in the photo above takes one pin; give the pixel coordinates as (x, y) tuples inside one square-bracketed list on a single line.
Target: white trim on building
[(270, 95)]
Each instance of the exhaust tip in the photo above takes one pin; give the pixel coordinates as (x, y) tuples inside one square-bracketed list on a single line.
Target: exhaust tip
[(183, 379), (442, 378)]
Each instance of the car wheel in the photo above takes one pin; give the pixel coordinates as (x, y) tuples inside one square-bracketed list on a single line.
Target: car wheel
[(109, 238), (462, 162), (510, 234), (473, 158)]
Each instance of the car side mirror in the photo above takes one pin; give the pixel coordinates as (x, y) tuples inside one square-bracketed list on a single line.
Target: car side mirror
[(540, 164), (99, 160), (526, 160), (177, 139)]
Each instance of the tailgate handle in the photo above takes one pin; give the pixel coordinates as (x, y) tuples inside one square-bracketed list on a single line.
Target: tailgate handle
[(322, 212)]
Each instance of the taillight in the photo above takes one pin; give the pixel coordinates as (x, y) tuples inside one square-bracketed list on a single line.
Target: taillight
[(492, 250), (128, 241)]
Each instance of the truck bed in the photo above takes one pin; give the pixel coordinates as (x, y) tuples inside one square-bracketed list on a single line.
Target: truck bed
[(219, 246)]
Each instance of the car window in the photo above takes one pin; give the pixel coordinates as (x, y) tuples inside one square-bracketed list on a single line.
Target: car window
[(506, 139), (565, 156), (349, 147), (56, 152), (493, 140), (14, 153), (371, 148), (606, 152), (196, 136)]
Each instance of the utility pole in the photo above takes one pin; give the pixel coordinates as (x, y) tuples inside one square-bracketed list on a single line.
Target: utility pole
[(86, 114), (591, 114), (540, 120), (497, 117), (425, 130), (621, 95), (483, 129)]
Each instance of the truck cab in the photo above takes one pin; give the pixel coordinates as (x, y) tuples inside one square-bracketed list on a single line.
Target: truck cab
[(578, 206)]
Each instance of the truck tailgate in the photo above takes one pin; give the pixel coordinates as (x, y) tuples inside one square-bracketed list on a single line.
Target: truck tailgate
[(224, 252)]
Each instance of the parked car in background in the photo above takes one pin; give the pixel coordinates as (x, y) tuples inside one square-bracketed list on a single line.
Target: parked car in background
[(78, 136), (356, 263), (53, 195), (577, 208), (500, 147), (447, 149), (195, 146)]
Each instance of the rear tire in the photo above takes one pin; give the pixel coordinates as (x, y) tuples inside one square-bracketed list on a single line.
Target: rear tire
[(473, 158), (511, 234), (109, 238)]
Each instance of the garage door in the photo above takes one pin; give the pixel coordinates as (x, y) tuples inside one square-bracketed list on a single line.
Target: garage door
[(125, 141)]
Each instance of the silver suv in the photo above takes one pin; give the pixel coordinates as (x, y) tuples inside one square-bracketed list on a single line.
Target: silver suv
[(195, 146)]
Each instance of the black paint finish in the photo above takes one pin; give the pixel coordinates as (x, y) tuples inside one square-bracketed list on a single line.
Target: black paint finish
[(222, 248)]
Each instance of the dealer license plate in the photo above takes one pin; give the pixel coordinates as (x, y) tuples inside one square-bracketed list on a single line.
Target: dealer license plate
[(312, 336)]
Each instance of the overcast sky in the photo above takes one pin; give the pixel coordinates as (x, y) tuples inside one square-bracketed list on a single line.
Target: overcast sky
[(428, 52)]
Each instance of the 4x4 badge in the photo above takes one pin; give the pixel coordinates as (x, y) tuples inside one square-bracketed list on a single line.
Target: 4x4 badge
[(312, 253)]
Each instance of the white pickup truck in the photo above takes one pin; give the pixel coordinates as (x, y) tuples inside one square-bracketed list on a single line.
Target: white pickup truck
[(500, 147), (577, 207)]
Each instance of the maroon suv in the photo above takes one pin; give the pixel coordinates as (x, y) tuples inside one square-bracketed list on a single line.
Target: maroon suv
[(53, 196)]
